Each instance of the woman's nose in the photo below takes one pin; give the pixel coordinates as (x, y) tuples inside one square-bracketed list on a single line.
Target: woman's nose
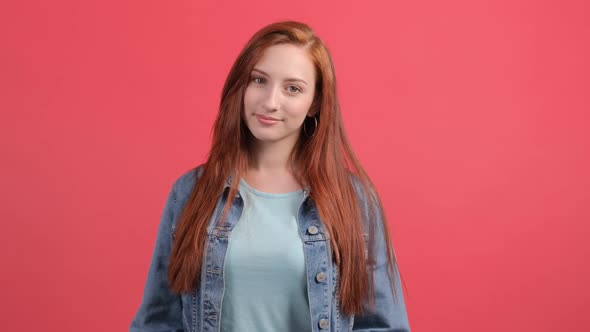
[(272, 98)]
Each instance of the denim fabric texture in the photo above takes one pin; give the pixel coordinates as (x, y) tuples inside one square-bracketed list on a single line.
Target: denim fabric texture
[(200, 310)]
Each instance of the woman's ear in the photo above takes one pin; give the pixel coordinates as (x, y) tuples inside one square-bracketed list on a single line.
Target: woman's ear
[(314, 108)]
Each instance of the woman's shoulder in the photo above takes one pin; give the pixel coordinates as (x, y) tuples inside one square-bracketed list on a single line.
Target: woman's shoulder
[(356, 184), (184, 184)]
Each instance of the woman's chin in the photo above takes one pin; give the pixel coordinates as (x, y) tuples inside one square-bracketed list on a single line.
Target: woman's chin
[(267, 138)]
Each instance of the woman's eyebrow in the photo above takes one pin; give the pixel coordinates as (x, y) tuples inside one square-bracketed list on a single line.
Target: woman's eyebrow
[(290, 79)]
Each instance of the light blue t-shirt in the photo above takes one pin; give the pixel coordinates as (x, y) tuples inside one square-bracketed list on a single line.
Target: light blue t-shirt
[(265, 277)]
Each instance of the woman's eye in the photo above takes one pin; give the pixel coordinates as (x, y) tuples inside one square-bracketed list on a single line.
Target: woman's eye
[(261, 80), (258, 79)]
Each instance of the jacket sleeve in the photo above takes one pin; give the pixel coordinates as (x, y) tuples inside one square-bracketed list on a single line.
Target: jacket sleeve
[(390, 310), (160, 310)]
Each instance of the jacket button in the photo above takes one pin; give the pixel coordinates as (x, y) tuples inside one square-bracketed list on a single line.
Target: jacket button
[(320, 277), (312, 230), (323, 324)]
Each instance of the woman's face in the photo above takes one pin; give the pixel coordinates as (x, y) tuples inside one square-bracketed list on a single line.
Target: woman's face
[(279, 94)]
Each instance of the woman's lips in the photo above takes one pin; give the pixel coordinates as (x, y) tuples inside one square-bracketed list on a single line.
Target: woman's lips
[(266, 120)]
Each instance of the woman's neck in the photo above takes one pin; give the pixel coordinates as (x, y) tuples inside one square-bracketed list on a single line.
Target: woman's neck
[(270, 169), (271, 157)]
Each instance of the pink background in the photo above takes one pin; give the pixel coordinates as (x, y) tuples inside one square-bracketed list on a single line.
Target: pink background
[(471, 117)]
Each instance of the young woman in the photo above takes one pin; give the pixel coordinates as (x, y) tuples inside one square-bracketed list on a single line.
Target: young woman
[(280, 229)]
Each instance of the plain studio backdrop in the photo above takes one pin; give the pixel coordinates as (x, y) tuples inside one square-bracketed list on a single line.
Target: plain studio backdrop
[(470, 116)]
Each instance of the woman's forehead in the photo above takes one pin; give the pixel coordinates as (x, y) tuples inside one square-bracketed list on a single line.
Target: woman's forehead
[(286, 61)]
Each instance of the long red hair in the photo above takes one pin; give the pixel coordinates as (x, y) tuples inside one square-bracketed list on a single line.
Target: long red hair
[(324, 162)]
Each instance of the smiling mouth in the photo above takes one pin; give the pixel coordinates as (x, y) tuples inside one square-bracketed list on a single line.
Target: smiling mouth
[(266, 118), (266, 121)]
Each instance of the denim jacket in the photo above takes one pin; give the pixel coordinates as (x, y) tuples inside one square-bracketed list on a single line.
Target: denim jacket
[(200, 310)]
